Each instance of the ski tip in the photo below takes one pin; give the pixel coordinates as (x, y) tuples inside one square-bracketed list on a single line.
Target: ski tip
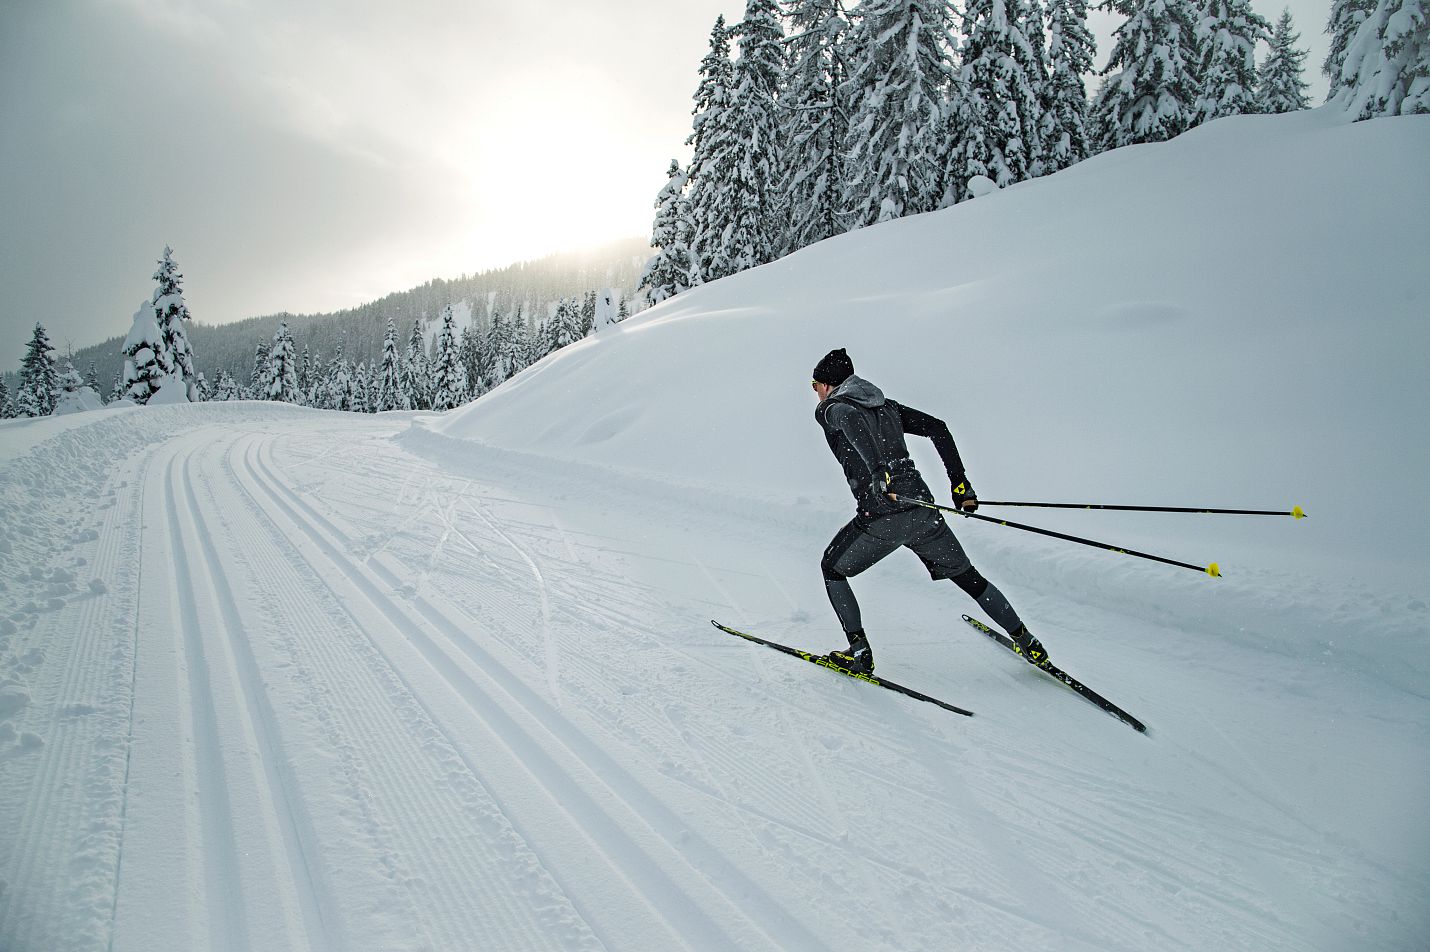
[(1297, 512), (1214, 570)]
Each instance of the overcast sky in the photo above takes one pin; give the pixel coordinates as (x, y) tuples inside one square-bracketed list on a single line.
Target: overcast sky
[(306, 156)]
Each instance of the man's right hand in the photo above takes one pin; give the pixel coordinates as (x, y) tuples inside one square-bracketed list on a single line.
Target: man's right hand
[(963, 495)]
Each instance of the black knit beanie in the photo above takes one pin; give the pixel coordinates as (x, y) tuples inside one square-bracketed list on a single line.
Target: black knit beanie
[(834, 369)]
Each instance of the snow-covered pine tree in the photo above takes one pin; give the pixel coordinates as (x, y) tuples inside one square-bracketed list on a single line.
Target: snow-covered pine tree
[(566, 325), (1387, 67), (226, 388), (1346, 18), (1279, 86), (91, 377), (145, 363), (816, 114), (587, 326), (1001, 86), (522, 347), (496, 350), (7, 405), (282, 372), (205, 389), (449, 384), (667, 273), (391, 395), (258, 380), (755, 234), (469, 352), (418, 375), (360, 398), (1227, 35), (1071, 49), (712, 160), (1151, 79), (172, 315), (39, 383), (305, 373), (899, 68), (68, 380)]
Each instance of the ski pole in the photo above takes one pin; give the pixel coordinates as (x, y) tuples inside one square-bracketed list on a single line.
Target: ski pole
[(1213, 570), (1296, 512)]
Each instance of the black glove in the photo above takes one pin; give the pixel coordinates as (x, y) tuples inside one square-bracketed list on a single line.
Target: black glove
[(963, 495)]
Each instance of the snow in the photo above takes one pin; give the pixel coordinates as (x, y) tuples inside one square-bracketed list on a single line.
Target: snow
[(288, 679)]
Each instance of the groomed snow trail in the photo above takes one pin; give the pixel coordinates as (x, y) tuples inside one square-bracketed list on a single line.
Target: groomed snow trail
[(346, 684)]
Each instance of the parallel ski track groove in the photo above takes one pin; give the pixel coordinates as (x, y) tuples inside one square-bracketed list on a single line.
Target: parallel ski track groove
[(286, 807), (405, 626), (225, 908), (407, 776), (693, 920)]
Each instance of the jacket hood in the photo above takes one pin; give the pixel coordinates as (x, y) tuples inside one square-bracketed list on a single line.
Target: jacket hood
[(860, 392)]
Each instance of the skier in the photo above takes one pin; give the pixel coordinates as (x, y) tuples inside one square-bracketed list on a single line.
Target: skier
[(866, 434)]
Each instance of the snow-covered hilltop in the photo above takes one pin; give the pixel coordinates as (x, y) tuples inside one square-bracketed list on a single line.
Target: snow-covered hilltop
[(278, 678)]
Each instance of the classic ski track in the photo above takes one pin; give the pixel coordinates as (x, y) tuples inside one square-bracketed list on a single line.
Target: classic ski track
[(422, 836), (75, 746), (282, 512), (225, 908), (288, 817), (774, 924)]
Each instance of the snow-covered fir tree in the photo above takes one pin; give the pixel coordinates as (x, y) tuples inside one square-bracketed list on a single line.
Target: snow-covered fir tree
[(1345, 20), (565, 325), (667, 273), (755, 230), (68, 380), (496, 350), (145, 361), (391, 394), (39, 383), (1071, 49), (282, 372), (469, 352), (899, 69), (172, 316), (1387, 65), (417, 377), (206, 390), (1151, 81), (449, 383), (1227, 36), (1001, 86), (338, 384), (713, 152), (226, 388), (816, 117), (360, 398), (7, 405), (305, 372), (1279, 86), (587, 325), (91, 377), (258, 380)]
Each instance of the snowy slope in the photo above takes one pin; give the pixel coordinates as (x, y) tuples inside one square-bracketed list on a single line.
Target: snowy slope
[(274, 678)]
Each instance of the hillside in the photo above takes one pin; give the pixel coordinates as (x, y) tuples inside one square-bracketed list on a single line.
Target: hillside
[(280, 678)]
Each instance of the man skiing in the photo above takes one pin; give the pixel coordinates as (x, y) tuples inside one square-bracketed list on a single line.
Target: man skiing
[(865, 432)]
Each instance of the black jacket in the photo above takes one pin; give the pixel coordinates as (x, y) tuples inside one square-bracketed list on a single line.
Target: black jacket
[(865, 431)]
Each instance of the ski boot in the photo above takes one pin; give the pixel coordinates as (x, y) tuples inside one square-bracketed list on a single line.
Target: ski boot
[(1028, 646), (858, 659)]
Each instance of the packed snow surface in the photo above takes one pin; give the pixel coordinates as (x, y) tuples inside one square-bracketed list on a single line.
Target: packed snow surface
[(274, 678)]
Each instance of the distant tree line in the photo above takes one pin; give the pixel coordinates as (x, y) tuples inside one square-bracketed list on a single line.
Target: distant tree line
[(837, 115), (428, 367)]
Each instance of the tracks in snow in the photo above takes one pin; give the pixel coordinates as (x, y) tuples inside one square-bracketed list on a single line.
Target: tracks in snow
[(660, 872)]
